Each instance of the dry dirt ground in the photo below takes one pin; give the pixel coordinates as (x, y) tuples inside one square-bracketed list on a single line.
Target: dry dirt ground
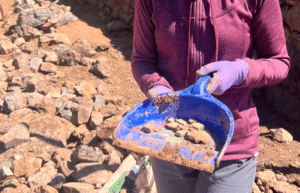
[(273, 155)]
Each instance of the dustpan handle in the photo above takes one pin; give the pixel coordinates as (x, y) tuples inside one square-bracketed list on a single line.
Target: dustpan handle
[(199, 87)]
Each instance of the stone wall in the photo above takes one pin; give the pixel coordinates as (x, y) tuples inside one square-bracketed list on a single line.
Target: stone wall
[(110, 10), (285, 96)]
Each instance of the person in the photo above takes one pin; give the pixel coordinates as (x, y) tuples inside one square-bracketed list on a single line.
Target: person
[(177, 41)]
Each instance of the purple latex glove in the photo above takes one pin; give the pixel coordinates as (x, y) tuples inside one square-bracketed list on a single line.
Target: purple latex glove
[(225, 74), (156, 90)]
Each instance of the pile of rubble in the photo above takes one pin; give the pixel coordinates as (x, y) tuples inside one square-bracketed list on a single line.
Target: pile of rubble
[(55, 136)]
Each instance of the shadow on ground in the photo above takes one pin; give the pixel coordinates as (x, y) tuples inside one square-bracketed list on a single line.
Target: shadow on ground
[(88, 14)]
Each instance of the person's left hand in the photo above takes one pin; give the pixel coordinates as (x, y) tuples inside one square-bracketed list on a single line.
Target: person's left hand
[(225, 74)]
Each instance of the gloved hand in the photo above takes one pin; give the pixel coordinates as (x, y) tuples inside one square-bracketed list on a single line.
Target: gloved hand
[(156, 90), (225, 74)]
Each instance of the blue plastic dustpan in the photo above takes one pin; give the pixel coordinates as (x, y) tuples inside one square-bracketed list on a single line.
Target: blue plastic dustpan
[(194, 102)]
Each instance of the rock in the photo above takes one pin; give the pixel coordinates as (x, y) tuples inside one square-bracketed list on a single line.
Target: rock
[(84, 112), (280, 177), (292, 18), (27, 32), (54, 92), (85, 89), (33, 99), (85, 154), (114, 160), (52, 58), (2, 74), (180, 133), (18, 42), (35, 64), (96, 119), (113, 99), (15, 136), (30, 48), (106, 147), (64, 153), (46, 105), (3, 87), (43, 189), (19, 114), (14, 183), (5, 172), (283, 187), (108, 110), (21, 61), (70, 58), (101, 68), (14, 101), (108, 127), (76, 187), (21, 188), (83, 49), (42, 177), (50, 129), (255, 188), (80, 132), (7, 47), (27, 166), (91, 139), (57, 181), (103, 47), (15, 81), (118, 25), (48, 67), (99, 100), (265, 176), (69, 111), (80, 100), (57, 38), (85, 61), (49, 24), (60, 49), (92, 173), (40, 53), (281, 135)]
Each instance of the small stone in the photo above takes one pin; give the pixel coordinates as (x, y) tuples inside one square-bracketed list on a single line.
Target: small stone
[(108, 110), (85, 154), (85, 61), (101, 68), (46, 105), (54, 38), (170, 120), (21, 61), (85, 89), (84, 49), (7, 47), (3, 86), (11, 183), (29, 48), (148, 128), (108, 127), (18, 42), (180, 133), (5, 172), (197, 126), (70, 58), (191, 121), (181, 121), (21, 188), (99, 100), (77, 187), (15, 136), (84, 112), (280, 177), (117, 26), (34, 98), (114, 160), (16, 81), (92, 173), (44, 176), (102, 89), (96, 119), (54, 92), (265, 176), (46, 26), (14, 101), (57, 181), (48, 67), (51, 57), (281, 135), (113, 99), (103, 47), (60, 49), (255, 188), (35, 64), (27, 166), (172, 125), (43, 189)]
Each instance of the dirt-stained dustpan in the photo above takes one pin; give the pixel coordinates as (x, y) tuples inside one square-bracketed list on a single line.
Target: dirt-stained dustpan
[(194, 102)]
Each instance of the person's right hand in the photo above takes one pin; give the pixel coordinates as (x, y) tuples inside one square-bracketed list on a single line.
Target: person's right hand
[(156, 90)]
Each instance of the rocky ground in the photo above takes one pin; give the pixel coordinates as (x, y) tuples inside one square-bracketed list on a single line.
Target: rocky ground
[(66, 82)]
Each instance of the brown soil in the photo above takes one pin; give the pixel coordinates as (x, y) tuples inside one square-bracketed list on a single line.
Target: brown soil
[(273, 155), (165, 99)]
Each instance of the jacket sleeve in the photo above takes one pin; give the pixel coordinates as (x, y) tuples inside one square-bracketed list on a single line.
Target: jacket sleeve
[(273, 62), (144, 56)]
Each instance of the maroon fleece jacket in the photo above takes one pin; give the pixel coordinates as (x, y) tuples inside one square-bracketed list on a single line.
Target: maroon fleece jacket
[(174, 38)]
